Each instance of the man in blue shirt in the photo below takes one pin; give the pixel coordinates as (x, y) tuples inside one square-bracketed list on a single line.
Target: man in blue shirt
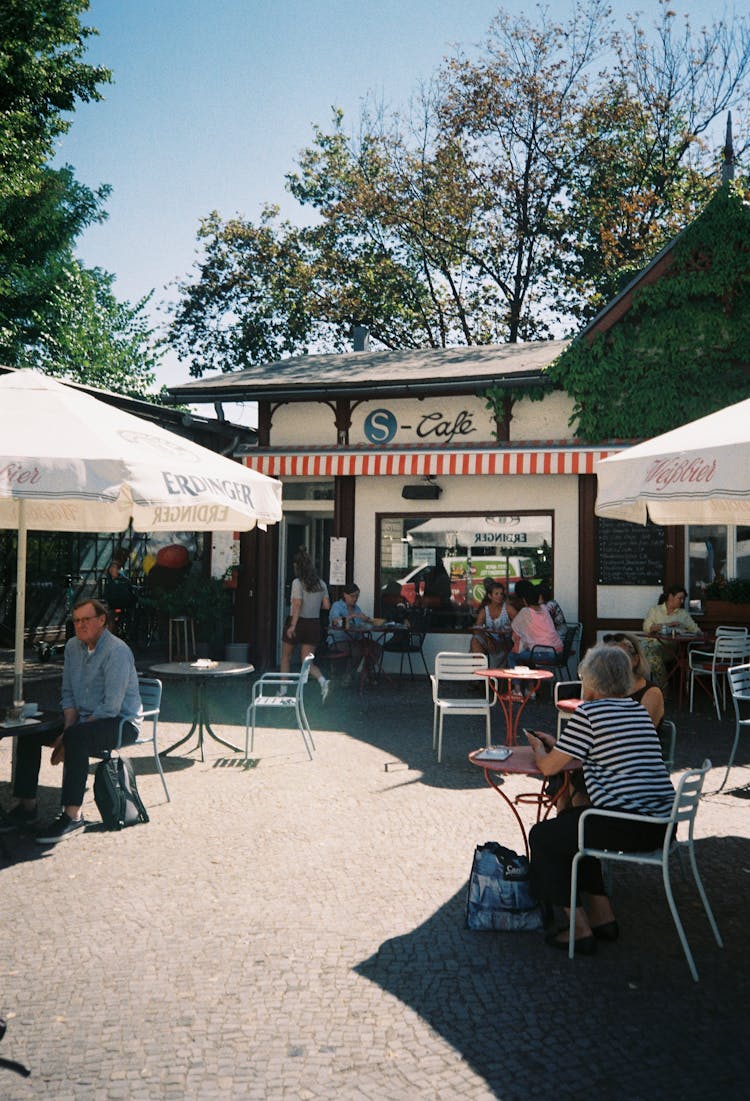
[(100, 687)]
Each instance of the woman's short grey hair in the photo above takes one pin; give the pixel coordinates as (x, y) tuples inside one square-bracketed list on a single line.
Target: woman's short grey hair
[(606, 671)]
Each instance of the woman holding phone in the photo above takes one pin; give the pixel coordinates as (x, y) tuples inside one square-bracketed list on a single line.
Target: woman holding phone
[(614, 738)]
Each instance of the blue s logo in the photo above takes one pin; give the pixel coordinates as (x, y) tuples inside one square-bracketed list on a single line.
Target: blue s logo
[(380, 426)]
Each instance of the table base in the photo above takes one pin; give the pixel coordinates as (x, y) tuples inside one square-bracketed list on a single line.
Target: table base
[(201, 724), (537, 798)]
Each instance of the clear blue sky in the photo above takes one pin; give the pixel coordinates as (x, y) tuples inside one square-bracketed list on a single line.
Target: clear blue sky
[(213, 99)]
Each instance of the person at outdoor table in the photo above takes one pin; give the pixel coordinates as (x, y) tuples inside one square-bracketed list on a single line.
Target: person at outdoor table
[(346, 611), (670, 612), (666, 616), (644, 689), (493, 636), (302, 628), (532, 626), (614, 737), (99, 689)]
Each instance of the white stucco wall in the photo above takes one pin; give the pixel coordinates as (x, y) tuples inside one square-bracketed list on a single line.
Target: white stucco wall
[(557, 494), (437, 422)]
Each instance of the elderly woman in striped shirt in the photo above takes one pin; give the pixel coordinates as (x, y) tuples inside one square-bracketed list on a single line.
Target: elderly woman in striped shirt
[(614, 737)]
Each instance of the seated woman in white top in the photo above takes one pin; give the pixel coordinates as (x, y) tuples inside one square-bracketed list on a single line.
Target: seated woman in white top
[(493, 620)]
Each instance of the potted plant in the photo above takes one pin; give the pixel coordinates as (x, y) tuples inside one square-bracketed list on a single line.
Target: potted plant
[(728, 601)]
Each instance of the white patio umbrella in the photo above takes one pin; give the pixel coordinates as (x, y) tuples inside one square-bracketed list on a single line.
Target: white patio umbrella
[(69, 462), (696, 474)]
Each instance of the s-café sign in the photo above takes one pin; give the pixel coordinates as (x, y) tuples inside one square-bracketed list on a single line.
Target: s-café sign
[(436, 426)]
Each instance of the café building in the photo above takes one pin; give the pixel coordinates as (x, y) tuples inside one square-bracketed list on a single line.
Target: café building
[(398, 471)]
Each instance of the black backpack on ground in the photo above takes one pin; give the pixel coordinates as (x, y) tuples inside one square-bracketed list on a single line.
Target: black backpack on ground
[(116, 794)]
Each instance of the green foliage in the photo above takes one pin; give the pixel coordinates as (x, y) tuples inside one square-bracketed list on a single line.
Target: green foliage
[(42, 78), (735, 590), (205, 599), (86, 335), (55, 314), (681, 351)]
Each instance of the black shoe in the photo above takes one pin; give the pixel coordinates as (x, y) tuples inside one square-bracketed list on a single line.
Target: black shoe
[(60, 829), (609, 930), (17, 819), (584, 946)]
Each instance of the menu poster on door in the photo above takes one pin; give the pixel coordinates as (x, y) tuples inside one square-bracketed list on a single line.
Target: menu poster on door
[(225, 553), (338, 561)]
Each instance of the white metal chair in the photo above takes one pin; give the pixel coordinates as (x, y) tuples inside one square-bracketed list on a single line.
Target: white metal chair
[(739, 686), (684, 809), (729, 650), (566, 696), (264, 695), (450, 667), (150, 690)]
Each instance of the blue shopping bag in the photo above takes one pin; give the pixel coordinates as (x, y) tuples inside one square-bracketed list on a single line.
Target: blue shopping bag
[(499, 896)]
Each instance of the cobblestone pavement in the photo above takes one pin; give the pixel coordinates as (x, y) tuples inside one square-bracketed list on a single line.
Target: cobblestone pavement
[(295, 931)]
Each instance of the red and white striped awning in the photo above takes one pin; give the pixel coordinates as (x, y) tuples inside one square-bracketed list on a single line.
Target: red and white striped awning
[(413, 463)]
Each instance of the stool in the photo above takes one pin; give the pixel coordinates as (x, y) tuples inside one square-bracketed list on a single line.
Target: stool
[(181, 638)]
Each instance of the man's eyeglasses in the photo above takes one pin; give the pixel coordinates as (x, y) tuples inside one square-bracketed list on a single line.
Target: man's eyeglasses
[(84, 619)]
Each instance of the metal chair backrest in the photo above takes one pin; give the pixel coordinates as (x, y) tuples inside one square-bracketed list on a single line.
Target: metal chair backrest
[(730, 648), (304, 673), (566, 690), (731, 632), (450, 666), (150, 691), (686, 800), (739, 683)]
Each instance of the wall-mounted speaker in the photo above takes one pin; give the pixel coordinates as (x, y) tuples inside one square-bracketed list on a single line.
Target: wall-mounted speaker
[(427, 492)]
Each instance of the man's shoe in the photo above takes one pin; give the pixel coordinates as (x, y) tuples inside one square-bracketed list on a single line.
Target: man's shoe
[(17, 819), (62, 827)]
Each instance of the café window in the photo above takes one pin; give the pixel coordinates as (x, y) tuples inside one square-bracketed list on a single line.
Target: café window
[(434, 570), (714, 551)]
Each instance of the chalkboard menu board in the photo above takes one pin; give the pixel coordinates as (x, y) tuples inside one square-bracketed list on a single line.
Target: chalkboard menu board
[(629, 554)]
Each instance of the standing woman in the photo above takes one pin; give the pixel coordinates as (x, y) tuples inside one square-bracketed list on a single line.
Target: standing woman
[(309, 595)]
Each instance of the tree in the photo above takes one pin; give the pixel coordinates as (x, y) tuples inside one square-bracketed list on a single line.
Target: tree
[(90, 337), (522, 187), (55, 314), (39, 229), (42, 77)]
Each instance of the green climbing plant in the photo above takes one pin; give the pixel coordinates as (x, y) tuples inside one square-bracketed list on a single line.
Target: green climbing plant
[(683, 348)]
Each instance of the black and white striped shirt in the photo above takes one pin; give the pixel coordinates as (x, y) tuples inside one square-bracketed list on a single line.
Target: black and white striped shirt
[(622, 759)]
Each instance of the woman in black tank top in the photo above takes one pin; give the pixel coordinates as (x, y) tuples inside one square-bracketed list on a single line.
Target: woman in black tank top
[(645, 691)]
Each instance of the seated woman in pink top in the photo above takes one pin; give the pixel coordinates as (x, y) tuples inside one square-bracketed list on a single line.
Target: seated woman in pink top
[(532, 626)]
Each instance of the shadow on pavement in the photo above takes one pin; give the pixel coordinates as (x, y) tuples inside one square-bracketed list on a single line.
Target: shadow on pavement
[(530, 1021)]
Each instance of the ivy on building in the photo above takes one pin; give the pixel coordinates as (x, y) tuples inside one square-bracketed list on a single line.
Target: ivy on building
[(682, 350)]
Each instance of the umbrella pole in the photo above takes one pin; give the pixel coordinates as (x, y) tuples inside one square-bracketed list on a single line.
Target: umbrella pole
[(20, 605)]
